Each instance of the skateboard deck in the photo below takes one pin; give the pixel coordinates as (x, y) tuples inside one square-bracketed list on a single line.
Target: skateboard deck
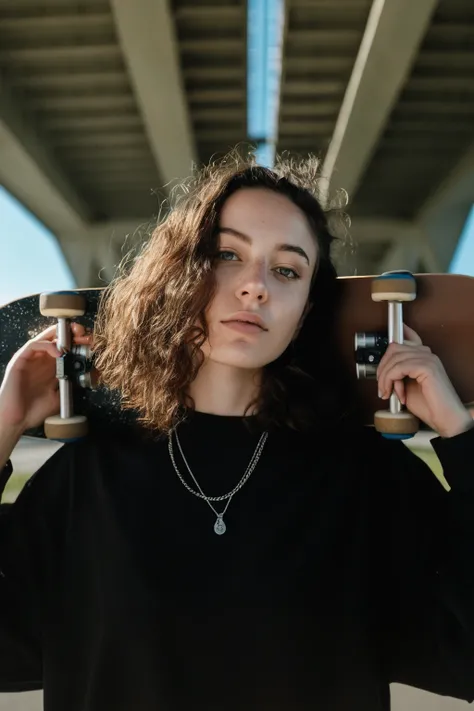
[(442, 314)]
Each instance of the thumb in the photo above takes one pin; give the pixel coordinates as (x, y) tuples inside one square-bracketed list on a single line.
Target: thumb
[(412, 336)]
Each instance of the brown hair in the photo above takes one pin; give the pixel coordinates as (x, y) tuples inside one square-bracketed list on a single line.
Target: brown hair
[(147, 344)]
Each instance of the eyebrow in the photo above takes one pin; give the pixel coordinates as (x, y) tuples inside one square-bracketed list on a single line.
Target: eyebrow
[(279, 247)]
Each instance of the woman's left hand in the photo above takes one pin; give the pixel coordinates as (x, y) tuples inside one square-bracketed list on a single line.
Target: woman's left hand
[(427, 391)]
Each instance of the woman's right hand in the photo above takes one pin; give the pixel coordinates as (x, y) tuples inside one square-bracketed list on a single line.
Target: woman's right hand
[(30, 391)]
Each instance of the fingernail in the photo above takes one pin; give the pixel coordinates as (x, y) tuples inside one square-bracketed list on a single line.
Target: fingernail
[(380, 395)]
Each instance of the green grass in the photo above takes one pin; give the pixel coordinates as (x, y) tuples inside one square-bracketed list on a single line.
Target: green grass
[(14, 486), (433, 462)]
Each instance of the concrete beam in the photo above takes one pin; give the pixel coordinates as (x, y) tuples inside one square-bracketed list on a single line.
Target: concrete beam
[(94, 252), (30, 172), (285, 24), (406, 254), (403, 240), (373, 230), (92, 262), (356, 253), (394, 31), (444, 214), (148, 40), (82, 259)]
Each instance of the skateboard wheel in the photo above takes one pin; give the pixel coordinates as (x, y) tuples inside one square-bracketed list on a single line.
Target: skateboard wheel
[(401, 425), (66, 429), (62, 304), (394, 286)]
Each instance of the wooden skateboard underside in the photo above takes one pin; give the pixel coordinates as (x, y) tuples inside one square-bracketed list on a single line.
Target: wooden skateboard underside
[(442, 315)]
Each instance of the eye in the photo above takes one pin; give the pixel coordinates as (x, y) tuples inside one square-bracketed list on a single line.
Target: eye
[(223, 255), (226, 255), (290, 273)]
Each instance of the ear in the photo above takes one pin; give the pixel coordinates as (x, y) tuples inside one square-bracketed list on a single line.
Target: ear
[(306, 311)]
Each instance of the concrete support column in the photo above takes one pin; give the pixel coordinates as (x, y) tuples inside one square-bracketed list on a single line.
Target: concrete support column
[(82, 258), (402, 255), (94, 253)]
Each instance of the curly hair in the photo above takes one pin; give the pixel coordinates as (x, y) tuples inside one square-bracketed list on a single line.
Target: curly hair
[(146, 339)]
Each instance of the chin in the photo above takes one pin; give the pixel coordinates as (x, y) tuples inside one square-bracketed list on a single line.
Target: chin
[(239, 362), (238, 358)]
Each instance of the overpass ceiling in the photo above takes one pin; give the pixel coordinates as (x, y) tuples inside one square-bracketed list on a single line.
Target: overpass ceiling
[(68, 74), (213, 55), (66, 68), (431, 125), (321, 43)]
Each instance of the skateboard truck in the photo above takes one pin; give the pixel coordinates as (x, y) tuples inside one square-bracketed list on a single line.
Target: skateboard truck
[(65, 305), (76, 365), (395, 288), (369, 350)]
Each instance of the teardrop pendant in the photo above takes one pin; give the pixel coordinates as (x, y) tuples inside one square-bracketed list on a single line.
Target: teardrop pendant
[(219, 526)]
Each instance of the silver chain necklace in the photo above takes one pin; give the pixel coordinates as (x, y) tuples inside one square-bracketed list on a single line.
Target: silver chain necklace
[(219, 525)]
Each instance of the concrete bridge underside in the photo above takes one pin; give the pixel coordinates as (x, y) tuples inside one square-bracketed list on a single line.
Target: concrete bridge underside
[(104, 105)]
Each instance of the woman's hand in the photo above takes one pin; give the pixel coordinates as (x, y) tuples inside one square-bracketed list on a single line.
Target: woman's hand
[(427, 391), (29, 392)]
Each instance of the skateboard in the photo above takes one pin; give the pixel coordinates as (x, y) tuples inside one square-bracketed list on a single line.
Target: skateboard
[(439, 307), (371, 312), (84, 405)]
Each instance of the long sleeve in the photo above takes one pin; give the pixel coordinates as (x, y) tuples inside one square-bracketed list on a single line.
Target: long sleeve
[(27, 533), (424, 565)]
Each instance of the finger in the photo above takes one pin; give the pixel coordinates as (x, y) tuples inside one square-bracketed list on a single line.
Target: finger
[(399, 390), (408, 348), (412, 335), (30, 349), (387, 365), (415, 368), (81, 334), (392, 358), (78, 329)]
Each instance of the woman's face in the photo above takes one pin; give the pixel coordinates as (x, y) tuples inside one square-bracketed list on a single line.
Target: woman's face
[(267, 255)]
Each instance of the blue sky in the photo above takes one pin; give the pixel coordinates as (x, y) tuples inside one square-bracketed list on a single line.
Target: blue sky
[(463, 260), (31, 260)]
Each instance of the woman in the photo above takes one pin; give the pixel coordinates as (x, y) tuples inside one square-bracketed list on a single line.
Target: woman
[(248, 545)]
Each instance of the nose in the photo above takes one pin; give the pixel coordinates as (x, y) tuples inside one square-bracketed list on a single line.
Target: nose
[(253, 285)]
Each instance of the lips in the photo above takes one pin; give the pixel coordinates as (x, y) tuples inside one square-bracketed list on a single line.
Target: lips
[(239, 320), (247, 327), (247, 317)]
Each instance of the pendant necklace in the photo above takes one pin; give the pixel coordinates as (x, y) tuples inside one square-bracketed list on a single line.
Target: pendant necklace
[(219, 525)]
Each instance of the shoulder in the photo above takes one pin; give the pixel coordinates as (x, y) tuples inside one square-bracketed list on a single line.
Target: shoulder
[(359, 438), (359, 447), (77, 465)]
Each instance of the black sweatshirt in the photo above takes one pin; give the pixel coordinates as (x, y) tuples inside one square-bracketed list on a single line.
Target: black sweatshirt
[(345, 566)]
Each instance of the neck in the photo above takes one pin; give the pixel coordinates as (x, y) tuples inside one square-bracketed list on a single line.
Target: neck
[(224, 390)]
